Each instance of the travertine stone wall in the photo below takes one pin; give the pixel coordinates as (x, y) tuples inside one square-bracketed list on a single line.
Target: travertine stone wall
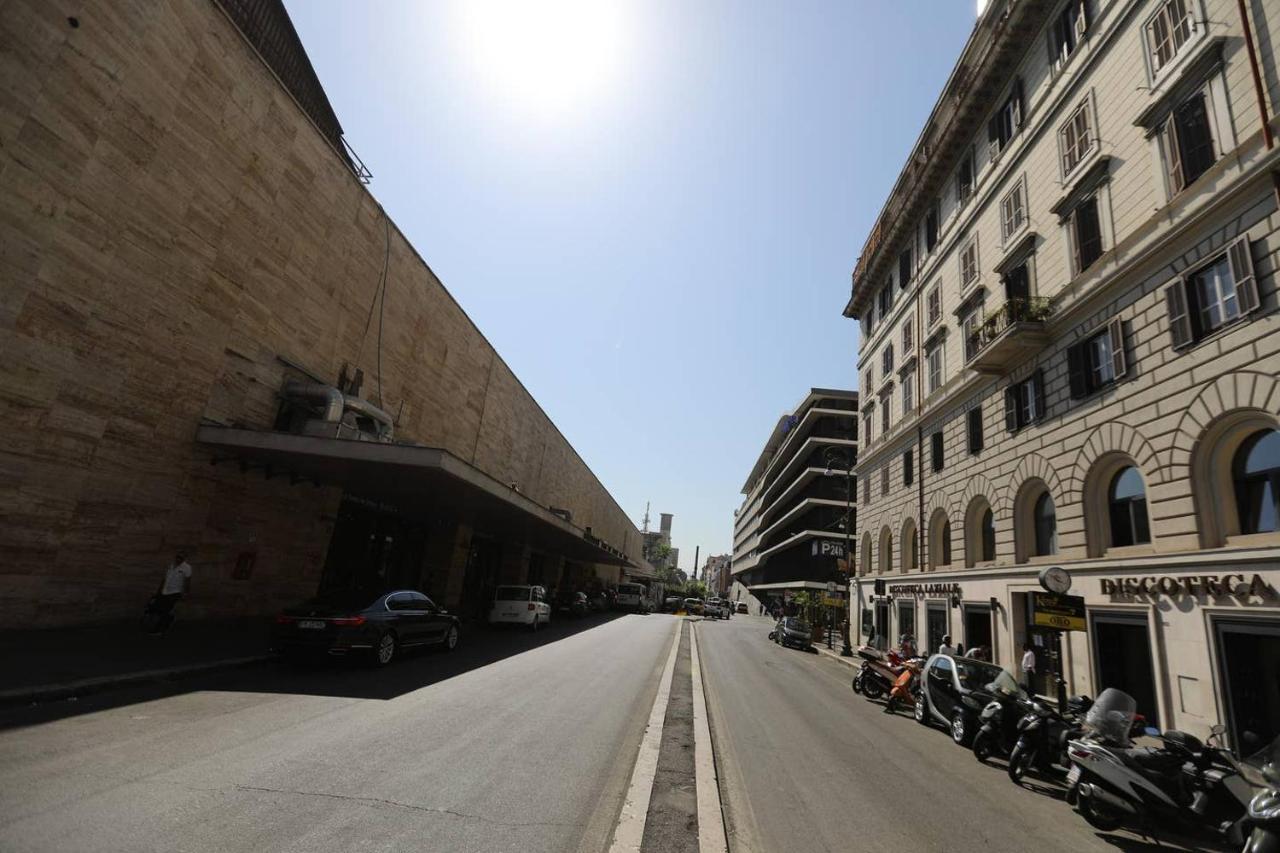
[(170, 225)]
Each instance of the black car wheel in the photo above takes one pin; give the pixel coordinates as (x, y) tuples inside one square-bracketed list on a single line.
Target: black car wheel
[(960, 729), (385, 650), (921, 711), (451, 638)]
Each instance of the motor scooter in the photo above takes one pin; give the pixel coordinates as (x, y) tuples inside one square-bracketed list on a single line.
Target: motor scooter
[(1263, 770), (878, 672), (1043, 735), (1183, 784), (906, 688), (1006, 705)]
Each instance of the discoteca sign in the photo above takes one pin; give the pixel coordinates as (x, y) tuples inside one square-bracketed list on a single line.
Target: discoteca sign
[(1175, 586)]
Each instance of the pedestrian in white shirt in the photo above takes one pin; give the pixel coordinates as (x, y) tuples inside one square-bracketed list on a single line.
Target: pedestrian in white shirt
[(177, 580), (1028, 668), (946, 648)]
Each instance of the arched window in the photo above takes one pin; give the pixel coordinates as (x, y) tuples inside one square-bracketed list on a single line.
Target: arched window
[(1046, 526), (866, 553), (909, 546), (939, 539), (946, 543), (988, 536), (1256, 474), (886, 550), (1127, 502)]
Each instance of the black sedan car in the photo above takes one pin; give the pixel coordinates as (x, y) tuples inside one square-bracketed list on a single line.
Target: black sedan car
[(794, 632), (953, 692), (378, 626)]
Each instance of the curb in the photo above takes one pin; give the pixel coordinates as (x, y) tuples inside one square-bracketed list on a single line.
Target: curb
[(834, 655), (86, 686)]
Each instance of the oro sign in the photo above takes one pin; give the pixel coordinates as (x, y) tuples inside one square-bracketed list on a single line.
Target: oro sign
[(1063, 612)]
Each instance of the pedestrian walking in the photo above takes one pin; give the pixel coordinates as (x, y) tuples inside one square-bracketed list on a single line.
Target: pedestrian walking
[(1028, 668), (176, 583)]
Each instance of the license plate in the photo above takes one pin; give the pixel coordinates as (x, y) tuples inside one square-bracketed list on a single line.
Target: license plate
[(312, 624), (1074, 775)]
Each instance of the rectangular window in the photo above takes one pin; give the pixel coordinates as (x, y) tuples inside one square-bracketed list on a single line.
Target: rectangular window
[(935, 305), (907, 342), (884, 415), (1013, 212), (1006, 122), (1212, 296), (886, 298), (908, 393), (904, 268), (1075, 138), (906, 468), (1086, 234), (866, 491), (935, 367), (1024, 402), (1168, 30), (975, 430), (866, 426), (886, 360), (935, 442), (1186, 142), (1017, 284), (970, 327), (1068, 28), (964, 178), (931, 227), (1098, 360), (869, 380), (969, 262), (884, 479)]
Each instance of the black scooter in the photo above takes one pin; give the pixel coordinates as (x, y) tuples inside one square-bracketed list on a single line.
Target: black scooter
[(1264, 808), (999, 719), (1043, 735)]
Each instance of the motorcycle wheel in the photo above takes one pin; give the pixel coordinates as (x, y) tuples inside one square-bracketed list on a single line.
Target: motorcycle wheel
[(983, 746), (872, 688), (857, 683), (1098, 816), (1020, 760)]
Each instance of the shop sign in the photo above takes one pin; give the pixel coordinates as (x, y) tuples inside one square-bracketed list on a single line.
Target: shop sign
[(832, 601), (1063, 612), (1193, 585), (827, 548), (920, 590)]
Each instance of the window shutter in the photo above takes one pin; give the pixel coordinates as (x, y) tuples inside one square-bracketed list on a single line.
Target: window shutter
[(1082, 19), (1175, 296), (1011, 408), (1017, 104), (1041, 411), (1172, 154), (1073, 234), (1077, 370), (1241, 261), (1119, 364)]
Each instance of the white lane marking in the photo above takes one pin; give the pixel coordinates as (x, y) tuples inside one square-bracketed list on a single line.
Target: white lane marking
[(711, 838), (629, 833)]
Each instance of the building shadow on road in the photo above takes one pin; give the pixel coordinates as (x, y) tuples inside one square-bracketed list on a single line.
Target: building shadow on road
[(480, 646)]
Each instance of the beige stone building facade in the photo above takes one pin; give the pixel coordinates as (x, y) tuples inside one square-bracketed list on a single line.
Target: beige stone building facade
[(192, 268), (1070, 356)]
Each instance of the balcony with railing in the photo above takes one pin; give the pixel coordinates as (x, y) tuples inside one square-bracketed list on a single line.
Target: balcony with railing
[(1008, 336)]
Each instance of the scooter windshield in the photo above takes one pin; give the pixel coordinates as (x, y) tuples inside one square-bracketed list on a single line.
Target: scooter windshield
[(1262, 769), (1111, 716), (1005, 684)]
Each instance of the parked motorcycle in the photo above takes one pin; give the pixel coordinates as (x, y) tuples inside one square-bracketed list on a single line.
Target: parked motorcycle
[(1043, 735), (1263, 770), (1006, 704), (878, 672), (1183, 784), (906, 689)]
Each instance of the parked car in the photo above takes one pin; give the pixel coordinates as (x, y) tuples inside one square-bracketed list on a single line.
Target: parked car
[(953, 692), (793, 631), (694, 606), (520, 605), (380, 626), (631, 597), (742, 607), (574, 605), (714, 609), (672, 604)]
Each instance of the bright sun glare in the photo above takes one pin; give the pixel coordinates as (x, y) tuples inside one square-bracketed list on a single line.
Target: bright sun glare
[(549, 57)]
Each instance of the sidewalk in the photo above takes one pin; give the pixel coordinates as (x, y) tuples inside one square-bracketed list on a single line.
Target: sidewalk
[(61, 662)]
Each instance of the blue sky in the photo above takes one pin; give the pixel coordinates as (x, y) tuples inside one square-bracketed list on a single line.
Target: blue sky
[(651, 209)]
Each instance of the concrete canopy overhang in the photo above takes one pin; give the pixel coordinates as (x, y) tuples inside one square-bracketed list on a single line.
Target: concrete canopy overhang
[(414, 480)]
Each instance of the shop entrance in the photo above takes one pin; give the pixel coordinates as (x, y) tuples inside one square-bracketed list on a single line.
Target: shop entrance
[(481, 577), (1122, 659), (907, 619), (1249, 666), (936, 625), (882, 625), (373, 549), (977, 627)]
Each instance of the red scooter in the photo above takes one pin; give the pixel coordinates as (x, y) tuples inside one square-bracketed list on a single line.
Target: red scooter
[(906, 687)]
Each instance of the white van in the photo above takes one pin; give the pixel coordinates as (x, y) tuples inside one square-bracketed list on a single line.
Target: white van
[(632, 597), (520, 605)]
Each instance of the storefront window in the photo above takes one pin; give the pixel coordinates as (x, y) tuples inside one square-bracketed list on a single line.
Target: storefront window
[(1046, 522), (1128, 504), (1256, 471)]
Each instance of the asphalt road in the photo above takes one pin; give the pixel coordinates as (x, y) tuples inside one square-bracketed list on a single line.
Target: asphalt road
[(804, 763), (514, 742)]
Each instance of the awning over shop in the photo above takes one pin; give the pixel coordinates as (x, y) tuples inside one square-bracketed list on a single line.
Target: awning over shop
[(784, 585), (413, 481)]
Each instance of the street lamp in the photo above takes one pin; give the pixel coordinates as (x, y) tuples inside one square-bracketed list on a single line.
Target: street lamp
[(838, 455)]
